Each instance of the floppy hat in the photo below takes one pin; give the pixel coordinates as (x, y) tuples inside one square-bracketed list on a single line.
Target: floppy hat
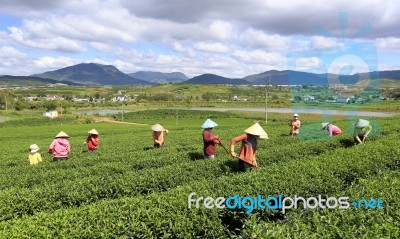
[(361, 123), (256, 129), (34, 148), (323, 125), (157, 127), (93, 131), (62, 134), (296, 115), (209, 124)]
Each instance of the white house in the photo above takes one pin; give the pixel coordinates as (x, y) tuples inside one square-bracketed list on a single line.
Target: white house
[(343, 100), (308, 98), (51, 114)]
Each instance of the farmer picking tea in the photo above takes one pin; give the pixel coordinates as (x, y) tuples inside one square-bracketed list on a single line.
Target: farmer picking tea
[(332, 129), (209, 140), (247, 155), (361, 131), (158, 135), (92, 140), (60, 147), (295, 125)]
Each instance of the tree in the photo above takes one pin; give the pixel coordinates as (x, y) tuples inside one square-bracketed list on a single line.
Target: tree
[(50, 105)]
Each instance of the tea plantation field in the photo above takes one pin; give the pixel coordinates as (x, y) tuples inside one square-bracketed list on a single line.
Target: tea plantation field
[(130, 190)]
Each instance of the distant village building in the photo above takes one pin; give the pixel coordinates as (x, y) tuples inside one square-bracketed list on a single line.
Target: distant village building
[(31, 98), (54, 97), (80, 99), (308, 98), (121, 98), (360, 101), (343, 100), (330, 101), (51, 114)]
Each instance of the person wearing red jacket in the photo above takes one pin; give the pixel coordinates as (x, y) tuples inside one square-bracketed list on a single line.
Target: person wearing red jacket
[(209, 140), (92, 140)]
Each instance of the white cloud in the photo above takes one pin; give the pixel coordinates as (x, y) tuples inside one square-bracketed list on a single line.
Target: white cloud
[(55, 43), (232, 38), (388, 44), (324, 42), (222, 30), (258, 56), (10, 58), (211, 47), (54, 63), (7, 51), (259, 39), (386, 67), (307, 63)]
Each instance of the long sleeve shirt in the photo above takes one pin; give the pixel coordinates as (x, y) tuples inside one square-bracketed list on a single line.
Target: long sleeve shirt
[(363, 131), (34, 158), (158, 137), (295, 126), (333, 130), (247, 150), (209, 141), (60, 148), (92, 142)]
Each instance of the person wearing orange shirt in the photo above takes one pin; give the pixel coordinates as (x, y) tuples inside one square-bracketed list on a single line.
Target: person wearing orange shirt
[(247, 155), (158, 135), (295, 125)]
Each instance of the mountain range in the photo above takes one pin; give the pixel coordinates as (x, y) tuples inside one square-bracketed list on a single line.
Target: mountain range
[(97, 74), (159, 77), (93, 74)]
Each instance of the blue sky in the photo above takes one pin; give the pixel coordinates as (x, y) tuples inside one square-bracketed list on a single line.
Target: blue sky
[(231, 38)]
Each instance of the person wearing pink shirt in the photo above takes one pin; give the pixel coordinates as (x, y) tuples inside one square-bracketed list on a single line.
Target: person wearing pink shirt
[(332, 129), (60, 147)]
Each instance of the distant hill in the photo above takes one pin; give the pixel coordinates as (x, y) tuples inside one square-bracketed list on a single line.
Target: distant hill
[(30, 81), (93, 74), (288, 77), (216, 80), (159, 77), (383, 83)]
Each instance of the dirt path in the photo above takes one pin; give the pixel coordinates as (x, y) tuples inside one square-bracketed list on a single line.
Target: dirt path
[(108, 120)]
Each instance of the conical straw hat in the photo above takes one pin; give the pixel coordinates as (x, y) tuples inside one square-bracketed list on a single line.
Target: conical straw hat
[(157, 127), (256, 129), (209, 124), (62, 134), (34, 148), (361, 123), (93, 131), (323, 125)]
